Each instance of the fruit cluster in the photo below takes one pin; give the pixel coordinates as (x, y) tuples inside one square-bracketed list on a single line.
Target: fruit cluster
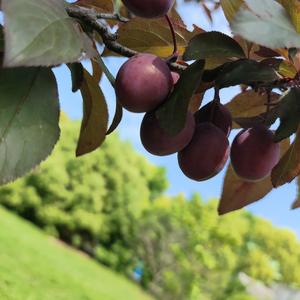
[(144, 82)]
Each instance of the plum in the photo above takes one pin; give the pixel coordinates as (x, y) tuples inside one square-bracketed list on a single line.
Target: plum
[(143, 83), (158, 142), (220, 117), (149, 8), (254, 153), (206, 154)]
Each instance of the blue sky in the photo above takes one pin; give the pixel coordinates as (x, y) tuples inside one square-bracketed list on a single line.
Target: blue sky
[(275, 207)]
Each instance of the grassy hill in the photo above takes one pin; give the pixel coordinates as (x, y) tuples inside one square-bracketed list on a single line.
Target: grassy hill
[(34, 266)]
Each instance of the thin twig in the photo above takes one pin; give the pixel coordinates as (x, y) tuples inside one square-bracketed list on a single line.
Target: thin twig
[(217, 95), (89, 17), (114, 16), (215, 103)]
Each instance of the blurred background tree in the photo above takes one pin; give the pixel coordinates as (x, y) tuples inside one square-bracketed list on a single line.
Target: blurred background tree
[(89, 202), (111, 204), (191, 253)]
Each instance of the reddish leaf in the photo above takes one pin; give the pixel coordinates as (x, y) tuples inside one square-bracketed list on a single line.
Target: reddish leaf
[(266, 118), (294, 55), (238, 193), (95, 116), (296, 203), (293, 8), (289, 113), (97, 71), (197, 98), (98, 5), (207, 12), (117, 118), (230, 8), (289, 166), (249, 104), (175, 16), (266, 52), (77, 75), (153, 36), (287, 69), (195, 102)]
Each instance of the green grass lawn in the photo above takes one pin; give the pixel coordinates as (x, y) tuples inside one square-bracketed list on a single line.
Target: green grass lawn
[(34, 266)]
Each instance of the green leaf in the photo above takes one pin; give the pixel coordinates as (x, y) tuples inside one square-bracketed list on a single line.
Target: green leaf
[(95, 116), (244, 72), (212, 44), (289, 113), (172, 114), (40, 33), (29, 115), (266, 23)]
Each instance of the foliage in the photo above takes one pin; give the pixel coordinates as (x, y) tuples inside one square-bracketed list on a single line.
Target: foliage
[(34, 266), (89, 202), (183, 249), (190, 253), (261, 56)]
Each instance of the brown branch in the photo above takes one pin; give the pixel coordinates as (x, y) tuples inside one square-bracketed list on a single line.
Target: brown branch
[(114, 16), (283, 84), (90, 18)]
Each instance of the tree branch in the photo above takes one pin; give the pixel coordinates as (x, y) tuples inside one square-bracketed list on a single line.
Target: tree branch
[(90, 18), (114, 16)]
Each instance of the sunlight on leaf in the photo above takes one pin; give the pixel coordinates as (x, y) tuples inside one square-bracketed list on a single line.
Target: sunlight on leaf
[(40, 33), (266, 23)]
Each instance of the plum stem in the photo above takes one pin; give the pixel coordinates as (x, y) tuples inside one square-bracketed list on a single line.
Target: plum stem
[(107, 73), (217, 95), (216, 101), (175, 51), (268, 105)]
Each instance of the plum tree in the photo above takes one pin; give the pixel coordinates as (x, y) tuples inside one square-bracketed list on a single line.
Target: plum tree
[(201, 61), (149, 9), (254, 153), (158, 142), (216, 113), (206, 154), (143, 83)]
